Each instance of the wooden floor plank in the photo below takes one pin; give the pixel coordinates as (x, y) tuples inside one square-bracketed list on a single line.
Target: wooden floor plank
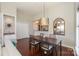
[(23, 47)]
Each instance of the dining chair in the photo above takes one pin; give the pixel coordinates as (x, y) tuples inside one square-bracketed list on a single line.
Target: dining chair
[(33, 44), (54, 40), (41, 36), (52, 36), (46, 48)]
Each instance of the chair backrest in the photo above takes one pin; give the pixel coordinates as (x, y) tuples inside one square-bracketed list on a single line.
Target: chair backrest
[(46, 38), (52, 36), (31, 38), (41, 36)]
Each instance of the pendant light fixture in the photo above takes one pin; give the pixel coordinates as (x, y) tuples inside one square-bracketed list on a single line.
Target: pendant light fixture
[(44, 20)]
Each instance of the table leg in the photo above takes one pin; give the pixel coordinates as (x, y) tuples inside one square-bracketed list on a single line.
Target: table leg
[(56, 51), (61, 48)]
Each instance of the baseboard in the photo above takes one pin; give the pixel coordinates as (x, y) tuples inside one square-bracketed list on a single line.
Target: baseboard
[(67, 46)]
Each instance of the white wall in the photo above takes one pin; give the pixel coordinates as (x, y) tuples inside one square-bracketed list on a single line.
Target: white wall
[(22, 30), (8, 8), (0, 27), (67, 12), (22, 16), (24, 26), (0, 23), (0, 30), (0, 7)]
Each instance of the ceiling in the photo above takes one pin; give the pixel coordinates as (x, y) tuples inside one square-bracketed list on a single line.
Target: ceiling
[(30, 8), (35, 8)]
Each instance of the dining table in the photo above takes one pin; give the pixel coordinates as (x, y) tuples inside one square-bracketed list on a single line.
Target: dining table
[(52, 41)]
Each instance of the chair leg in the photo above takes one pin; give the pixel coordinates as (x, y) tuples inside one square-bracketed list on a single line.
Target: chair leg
[(52, 52), (33, 50), (39, 47), (56, 51), (41, 52)]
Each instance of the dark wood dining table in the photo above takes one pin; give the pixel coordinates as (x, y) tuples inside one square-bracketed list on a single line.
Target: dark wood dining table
[(52, 41)]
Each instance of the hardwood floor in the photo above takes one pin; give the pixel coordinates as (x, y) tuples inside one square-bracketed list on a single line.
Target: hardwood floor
[(23, 47)]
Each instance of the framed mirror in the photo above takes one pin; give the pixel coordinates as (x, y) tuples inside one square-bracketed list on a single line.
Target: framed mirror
[(59, 26)]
